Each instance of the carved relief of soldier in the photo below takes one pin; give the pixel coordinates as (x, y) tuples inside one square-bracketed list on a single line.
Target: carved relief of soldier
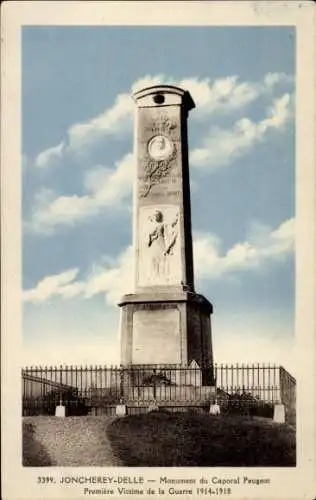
[(162, 239)]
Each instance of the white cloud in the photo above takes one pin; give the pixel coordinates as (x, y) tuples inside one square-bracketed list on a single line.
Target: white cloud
[(49, 155), (272, 79), (222, 146), (112, 279), (211, 262), (50, 286), (149, 81), (119, 183), (219, 96), (109, 122), (105, 187), (115, 277), (63, 210), (223, 95)]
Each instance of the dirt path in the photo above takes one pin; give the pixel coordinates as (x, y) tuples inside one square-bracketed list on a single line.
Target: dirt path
[(73, 441)]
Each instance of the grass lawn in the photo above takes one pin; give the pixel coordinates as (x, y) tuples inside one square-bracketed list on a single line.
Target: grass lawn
[(187, 439)]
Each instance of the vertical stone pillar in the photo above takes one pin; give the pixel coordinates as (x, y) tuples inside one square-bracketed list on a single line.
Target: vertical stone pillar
[(164, 320)]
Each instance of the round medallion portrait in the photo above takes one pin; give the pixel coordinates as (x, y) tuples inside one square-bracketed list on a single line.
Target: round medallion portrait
[(160, 147)]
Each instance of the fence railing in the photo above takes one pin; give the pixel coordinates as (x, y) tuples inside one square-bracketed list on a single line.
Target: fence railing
[(87, 388)]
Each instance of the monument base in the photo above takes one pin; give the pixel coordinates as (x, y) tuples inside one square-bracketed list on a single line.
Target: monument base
[(168, 384), (170, 328)]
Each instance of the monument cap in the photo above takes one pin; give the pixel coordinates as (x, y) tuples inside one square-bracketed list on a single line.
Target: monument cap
[(163, 95)]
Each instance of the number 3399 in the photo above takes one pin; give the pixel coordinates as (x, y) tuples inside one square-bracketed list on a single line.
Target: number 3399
[(45, 479)]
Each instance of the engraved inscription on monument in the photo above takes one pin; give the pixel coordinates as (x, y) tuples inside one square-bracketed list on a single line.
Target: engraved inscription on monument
[(161, 124), (159, 262), (160, 327)]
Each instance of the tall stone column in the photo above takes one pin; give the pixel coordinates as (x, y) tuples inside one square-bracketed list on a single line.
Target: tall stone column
[(164, 321)]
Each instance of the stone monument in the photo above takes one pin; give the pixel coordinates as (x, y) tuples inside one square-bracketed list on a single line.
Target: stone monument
[(164, 321)]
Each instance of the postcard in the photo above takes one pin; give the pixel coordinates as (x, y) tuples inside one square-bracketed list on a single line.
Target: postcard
[(159, 251)]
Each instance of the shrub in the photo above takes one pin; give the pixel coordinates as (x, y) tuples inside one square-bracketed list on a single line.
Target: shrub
[(245, 404)]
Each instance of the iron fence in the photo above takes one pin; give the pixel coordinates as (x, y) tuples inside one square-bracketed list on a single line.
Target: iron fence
[(98, 389)]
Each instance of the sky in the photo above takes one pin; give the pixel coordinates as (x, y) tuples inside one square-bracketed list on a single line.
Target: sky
[(78, 170)]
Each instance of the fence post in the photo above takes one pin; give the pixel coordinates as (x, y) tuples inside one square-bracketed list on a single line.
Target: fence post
[(154, 386)]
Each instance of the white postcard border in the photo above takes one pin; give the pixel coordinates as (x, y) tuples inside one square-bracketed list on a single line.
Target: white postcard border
[(293, 483)]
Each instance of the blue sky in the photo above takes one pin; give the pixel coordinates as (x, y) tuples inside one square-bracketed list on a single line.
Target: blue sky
[(78, 171)]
